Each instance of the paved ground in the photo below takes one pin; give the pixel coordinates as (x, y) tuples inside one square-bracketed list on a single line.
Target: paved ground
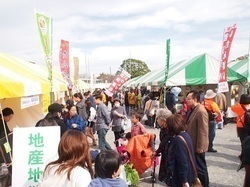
[(222, 166)]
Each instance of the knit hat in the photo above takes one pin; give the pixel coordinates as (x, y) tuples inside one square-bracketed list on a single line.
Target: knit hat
[(55, 107), (210, 94), (244, 99)]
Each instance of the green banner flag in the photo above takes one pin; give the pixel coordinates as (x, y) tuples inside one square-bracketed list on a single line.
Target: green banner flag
[(167, 59), (44, 24)]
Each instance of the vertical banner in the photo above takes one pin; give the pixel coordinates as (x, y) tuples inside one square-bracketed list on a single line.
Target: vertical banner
[(76, 69), (118, 81), (64, 62), (32, 150), (167, 59), (167, 66), (45, 102), (226, 45), (44, 24)]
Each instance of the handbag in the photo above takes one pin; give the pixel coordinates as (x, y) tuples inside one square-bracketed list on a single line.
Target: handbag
[(197, 182), (144, 118), (126, 124), (147, 110)]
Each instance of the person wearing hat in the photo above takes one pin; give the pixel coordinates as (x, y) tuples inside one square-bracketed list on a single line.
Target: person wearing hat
[(54, 117), (117, 114), (238, 109), (213, 111), (7, 115)]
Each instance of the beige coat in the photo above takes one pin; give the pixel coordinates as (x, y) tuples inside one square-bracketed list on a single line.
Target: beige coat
[(221, 101), (197, 128), (151, 106)]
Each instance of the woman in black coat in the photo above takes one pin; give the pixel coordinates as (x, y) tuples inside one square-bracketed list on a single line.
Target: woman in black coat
[(165, 141), (178, 154)]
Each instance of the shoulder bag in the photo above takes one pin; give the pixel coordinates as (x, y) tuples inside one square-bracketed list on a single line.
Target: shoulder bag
[(197, 182), (148, 110)]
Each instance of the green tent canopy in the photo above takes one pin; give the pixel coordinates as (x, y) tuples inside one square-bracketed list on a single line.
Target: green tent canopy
[(202, 69), (131, 81), (241, 67)]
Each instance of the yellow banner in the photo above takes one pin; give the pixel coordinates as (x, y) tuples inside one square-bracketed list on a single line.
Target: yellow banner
[(46, 102), (76, 69)]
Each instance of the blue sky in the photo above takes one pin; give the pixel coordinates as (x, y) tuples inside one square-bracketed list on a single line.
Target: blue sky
[(107, 32)]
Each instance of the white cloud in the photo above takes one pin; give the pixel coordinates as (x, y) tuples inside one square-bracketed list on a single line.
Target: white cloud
[(108, 31)]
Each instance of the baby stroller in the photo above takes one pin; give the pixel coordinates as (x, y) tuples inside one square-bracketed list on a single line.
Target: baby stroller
[(138, 151)]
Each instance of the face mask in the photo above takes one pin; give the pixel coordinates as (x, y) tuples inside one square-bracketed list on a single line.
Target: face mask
[(117, 105)]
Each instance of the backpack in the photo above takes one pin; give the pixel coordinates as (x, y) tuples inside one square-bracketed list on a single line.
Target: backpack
[(211, 116), (246, 119), (45, 123)]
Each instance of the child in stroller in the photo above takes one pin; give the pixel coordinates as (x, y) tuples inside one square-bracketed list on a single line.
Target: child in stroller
[(138, 150)]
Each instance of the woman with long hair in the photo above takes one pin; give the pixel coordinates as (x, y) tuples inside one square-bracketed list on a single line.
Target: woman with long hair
[(73, 168)]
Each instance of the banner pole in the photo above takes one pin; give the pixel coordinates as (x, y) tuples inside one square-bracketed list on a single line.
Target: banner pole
[(248, 69)]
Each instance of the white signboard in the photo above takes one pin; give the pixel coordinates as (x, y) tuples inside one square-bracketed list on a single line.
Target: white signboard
[(29, 101), (32, 148)]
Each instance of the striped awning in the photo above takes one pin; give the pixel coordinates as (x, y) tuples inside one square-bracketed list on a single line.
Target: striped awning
[(202, 69), (20, 78), (241, 67)]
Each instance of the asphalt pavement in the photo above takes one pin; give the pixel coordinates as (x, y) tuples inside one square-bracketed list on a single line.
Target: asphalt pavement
[(222, 166)]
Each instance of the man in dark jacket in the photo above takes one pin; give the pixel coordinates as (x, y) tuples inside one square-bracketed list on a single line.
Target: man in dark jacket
[(54, 117), (7, 115)]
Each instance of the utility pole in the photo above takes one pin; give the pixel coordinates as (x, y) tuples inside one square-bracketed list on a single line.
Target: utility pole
[(110, 74), (130, 62), (86, 67)]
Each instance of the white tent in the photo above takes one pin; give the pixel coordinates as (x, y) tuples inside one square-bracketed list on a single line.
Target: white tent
[(200, 70)]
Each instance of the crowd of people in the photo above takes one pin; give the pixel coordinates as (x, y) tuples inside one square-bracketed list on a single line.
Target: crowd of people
[(185, 136)]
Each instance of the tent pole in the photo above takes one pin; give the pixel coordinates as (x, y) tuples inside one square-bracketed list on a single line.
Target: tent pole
[(164, 97), (248, 66)]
